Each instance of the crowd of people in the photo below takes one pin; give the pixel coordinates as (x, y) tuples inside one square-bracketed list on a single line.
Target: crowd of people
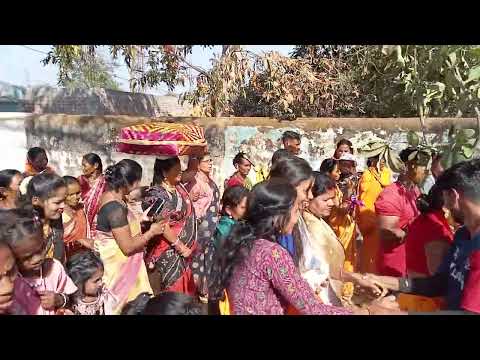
[(331, 241)]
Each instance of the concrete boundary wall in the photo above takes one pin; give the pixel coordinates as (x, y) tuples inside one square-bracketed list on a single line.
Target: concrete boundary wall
[(68, 137)]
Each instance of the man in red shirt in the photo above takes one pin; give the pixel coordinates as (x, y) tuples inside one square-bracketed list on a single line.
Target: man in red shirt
[(396, 209), (240, 177), (458, 278)]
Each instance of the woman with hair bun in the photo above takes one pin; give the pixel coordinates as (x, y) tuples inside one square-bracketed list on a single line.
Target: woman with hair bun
[(118, 239)]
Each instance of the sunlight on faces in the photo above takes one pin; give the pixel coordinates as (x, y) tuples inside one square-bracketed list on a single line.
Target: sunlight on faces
[(322, 205), (244, 167), (30, 253), (53, 206), (73, 195), (8, 273), (205, 165), (94, 284), (87, 168), (416, 172), (335, 174), (342, 149), (292, 145), (304, 193)]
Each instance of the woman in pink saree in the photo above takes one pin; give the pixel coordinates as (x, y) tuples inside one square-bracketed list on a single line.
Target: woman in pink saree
[(92, 185)]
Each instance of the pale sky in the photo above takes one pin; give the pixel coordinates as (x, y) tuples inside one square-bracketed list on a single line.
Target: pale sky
[(22, 66)]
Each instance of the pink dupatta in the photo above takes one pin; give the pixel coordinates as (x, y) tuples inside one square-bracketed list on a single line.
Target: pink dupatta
[(91, 198)]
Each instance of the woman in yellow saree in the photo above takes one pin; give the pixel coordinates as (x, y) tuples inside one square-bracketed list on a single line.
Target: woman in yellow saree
[(119, 240), (342, 219), (371, 185)]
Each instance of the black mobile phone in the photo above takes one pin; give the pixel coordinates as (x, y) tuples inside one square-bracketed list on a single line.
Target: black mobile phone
[(157, 208)]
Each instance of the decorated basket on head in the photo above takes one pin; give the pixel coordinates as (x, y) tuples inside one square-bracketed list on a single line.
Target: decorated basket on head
[(162, 139)]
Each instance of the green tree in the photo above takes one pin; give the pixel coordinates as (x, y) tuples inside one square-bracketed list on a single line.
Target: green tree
[(87, 71)]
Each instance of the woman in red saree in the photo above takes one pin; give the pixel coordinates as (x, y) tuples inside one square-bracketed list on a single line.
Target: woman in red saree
[(92, 185), (169, 256)]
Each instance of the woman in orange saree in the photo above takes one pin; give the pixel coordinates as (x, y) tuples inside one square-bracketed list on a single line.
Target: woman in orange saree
[(371, 185)]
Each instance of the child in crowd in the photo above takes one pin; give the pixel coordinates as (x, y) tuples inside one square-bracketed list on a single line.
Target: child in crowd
[(92, 298), (167, 303), (234, 205), (76, 230), (42, 286)]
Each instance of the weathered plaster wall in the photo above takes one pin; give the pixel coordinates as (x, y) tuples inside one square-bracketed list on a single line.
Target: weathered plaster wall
[(68, 137)]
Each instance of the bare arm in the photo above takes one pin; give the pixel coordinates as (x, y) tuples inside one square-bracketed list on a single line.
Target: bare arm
[(435, 252), (390, 232)]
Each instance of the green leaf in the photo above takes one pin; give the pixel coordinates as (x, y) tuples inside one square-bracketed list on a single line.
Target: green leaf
[(413, 139), (473, 74), (467, 151)]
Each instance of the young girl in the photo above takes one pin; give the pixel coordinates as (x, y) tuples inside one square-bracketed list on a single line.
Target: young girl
[(47, 193), (234, 205), (42, 286), (92, 298), (234, 202)]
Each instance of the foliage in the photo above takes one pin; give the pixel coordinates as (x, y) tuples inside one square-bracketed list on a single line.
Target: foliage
[(87, 71), (316, 80)]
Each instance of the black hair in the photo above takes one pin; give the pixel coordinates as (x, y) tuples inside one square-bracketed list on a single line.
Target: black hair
[(268, 211), (345, 142), (463, 177), (93, 159), (370, 160), (421, 158), (122, 174), (81, 266), (6, 177), (19, 224), (232, 196), (328, 165), (165, 303), (291, 135), (34, 152), (293, 169), (69, 180), (239, 157), (405, 153), (279, 155), (44, 186), (432, 201), (162, 166), (322, 183)]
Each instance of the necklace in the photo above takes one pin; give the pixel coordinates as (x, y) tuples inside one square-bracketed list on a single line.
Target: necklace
[(168, 187)]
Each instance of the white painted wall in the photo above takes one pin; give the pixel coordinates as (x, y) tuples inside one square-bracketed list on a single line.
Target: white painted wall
[(13, 141)]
